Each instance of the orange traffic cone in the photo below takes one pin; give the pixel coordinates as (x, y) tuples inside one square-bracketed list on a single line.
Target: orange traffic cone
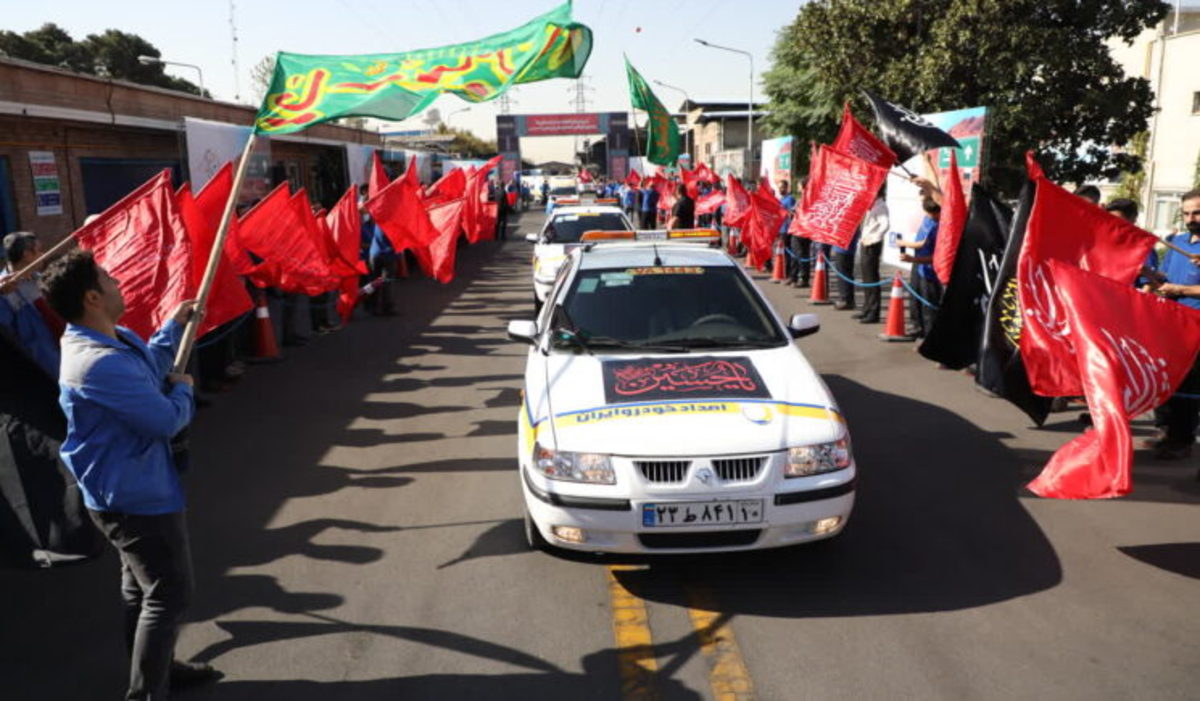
[(820, 282), (895, 320), (265, 347), (779, 263)]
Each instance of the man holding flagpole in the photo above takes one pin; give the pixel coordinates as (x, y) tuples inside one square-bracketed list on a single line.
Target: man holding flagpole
[(123, 406)]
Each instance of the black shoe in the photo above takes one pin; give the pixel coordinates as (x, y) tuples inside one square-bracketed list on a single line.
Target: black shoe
[(869, 320), (856, 315), (188, 674), (803, 284), (843, 306)]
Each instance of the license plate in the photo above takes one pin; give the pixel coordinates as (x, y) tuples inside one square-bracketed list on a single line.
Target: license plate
[(702, 513)]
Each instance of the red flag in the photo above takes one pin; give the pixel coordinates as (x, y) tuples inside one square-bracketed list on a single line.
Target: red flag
[(344, 226), (378, 178), (277, 231), (764, 183), (761, 226), (951, 222), (691, 182), (633, 179), (477, 225), (705, 174), (142, 243), (451, 186), (667, 193), (446, 218), (710, 203), (1128, 363), (1067, 228), (400, 213), (856, 140), (840, 191), (227, 299), (737, 202), (210, 203), (585, 176)]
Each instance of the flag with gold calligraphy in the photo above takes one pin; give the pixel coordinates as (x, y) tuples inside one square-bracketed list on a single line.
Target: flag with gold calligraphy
[(310, 89), (662, 142)]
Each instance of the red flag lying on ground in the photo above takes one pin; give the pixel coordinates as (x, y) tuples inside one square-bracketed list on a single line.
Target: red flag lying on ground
[(737, 202), (1131, 351), (858, 141), (142, 243), (710, 202), (378, 178), (227, 299), (633, 179), (839, 193), (276, 231), (1070, 229), (951, 222)]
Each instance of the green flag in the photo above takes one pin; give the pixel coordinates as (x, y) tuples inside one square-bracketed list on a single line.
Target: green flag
[(663, 146), (307, 89)]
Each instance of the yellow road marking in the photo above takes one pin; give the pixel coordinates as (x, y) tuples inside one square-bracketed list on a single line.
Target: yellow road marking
[(727, 674), (635, 648)]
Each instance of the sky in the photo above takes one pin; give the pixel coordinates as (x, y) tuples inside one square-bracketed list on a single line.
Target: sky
[(657, 35)]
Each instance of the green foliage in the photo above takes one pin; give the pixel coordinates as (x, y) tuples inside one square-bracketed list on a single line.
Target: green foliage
[(1041, 66), (467, 144), (113, 54), (1132, 183)]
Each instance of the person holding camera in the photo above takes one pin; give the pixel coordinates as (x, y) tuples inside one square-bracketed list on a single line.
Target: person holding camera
[(123, 405)]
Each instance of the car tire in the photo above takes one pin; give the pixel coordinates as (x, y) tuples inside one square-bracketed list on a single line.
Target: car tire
[(533, 537)]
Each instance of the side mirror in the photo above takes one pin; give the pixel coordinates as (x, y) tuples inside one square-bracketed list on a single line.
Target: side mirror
[(523, 331), (803, 325), (532, 238)]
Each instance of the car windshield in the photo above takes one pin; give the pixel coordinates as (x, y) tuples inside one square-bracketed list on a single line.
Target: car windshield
[(560, 191), (567, 228), (681, 307)]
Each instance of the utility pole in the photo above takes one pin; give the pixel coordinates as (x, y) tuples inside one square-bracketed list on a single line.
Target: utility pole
[(237, 90), (580, 102)]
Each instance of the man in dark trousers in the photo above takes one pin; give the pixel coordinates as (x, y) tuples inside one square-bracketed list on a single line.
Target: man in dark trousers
[(500, 195), (123, 405)]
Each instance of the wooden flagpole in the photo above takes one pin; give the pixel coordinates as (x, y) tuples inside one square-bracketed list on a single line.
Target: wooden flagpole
[(214, 259), (39, 262)]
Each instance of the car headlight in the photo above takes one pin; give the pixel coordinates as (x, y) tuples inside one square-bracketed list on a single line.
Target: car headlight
[(806, 460), (595, 468)]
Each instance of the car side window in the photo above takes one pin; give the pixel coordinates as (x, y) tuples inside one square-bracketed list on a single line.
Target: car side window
[(548, 308)]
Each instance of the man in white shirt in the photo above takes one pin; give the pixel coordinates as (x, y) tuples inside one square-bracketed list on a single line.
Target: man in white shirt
[(874, 230)]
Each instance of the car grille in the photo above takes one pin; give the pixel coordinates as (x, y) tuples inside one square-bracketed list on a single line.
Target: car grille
[(663, 471), (738, 469), (709, 539)]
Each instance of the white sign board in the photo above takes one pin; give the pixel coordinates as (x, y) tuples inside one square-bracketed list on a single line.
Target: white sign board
[(46, 187)]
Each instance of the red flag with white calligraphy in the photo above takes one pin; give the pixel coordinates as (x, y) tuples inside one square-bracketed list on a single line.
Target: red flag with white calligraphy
[(710, 202), (1067, 228), (858, 141), (840, 191), (1127, 366), (737, 202)]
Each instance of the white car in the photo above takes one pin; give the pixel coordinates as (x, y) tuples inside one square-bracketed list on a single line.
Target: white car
[(667, 410), (562, 232)]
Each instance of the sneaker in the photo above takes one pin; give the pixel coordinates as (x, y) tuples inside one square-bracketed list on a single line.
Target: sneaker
[(188, 674)]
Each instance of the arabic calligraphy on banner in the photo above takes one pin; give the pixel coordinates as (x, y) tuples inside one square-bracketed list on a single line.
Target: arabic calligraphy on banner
[(704, 376)]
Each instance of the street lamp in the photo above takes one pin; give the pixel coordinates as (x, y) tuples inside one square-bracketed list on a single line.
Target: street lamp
[(465, 109), (750, 104), (151, 60), (687, 134)]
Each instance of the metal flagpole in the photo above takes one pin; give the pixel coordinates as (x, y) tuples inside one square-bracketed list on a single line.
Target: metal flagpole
[(214, 259)]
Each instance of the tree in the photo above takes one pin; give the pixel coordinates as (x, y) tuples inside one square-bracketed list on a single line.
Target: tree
[(260, 76), (113, 53), (467, 144), (1042, 67)]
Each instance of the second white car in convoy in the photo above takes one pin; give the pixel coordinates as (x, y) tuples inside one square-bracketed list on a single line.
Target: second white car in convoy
[(666, 409)]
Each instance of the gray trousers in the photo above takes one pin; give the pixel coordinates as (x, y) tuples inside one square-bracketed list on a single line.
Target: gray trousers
[(156, 585)]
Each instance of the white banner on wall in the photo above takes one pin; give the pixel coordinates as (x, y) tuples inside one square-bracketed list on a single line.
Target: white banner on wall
[(211, 145), (358, 162)]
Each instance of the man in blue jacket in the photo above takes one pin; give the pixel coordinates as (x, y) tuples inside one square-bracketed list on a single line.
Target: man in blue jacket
[(123, 405)]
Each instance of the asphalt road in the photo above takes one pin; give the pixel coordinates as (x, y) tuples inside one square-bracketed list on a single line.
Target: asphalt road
[(355, 519)]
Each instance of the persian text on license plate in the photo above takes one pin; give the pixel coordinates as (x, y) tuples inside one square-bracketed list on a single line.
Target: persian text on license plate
[(702, 513)]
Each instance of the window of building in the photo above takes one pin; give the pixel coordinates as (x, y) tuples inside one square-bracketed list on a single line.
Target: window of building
[(1166, 211)]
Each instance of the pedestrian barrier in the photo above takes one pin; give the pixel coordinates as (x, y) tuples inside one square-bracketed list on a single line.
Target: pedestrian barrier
[(214, 338), (894, 331), (820, 283), (265, 347), (916, 296)]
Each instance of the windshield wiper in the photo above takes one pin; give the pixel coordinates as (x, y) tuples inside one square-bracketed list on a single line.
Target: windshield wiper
[(609, 342), (712, 342)]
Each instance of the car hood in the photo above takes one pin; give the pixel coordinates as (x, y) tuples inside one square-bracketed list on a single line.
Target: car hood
[(699, 403)]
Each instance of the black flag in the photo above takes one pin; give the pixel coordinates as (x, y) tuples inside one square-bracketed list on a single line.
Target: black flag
[(1001, 370), (954, 338), (906, 132)]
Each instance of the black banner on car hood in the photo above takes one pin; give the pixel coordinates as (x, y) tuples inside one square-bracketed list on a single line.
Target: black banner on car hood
[(650, 379)]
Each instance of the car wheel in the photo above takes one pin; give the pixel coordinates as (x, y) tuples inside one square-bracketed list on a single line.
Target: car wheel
[(533, 537)]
